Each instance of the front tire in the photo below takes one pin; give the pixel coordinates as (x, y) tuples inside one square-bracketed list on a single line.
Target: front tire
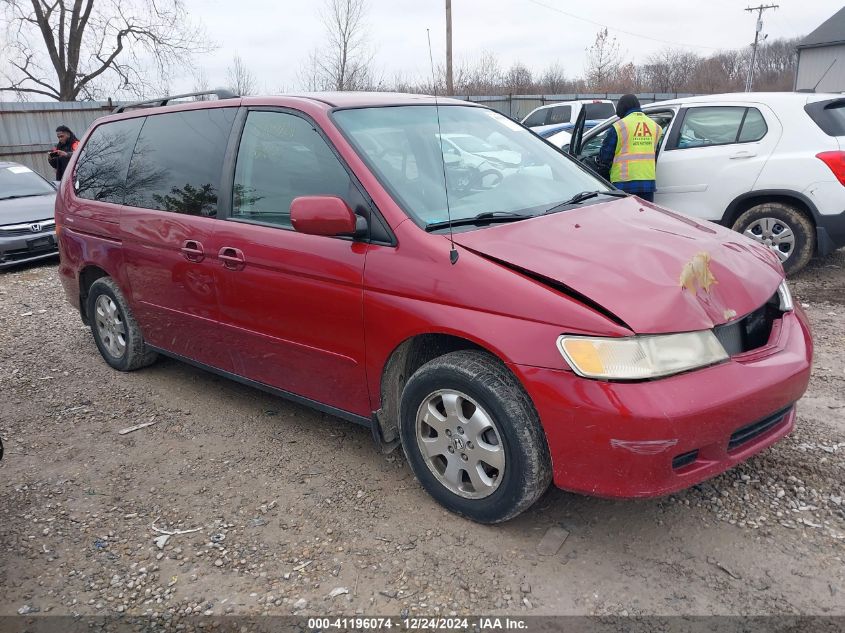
[(473, 437), (784, 229), (116, 333)]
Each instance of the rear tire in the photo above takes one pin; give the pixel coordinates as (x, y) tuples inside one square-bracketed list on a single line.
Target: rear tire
[(784, 229), (116, 333), (488, 460)]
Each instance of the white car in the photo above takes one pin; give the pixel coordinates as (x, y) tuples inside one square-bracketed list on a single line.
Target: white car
[(560, 112), (770, 165), (560, 139), (473, 150)]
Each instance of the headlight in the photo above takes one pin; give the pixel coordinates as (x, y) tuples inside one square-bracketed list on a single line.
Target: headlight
[(640, 357), (785, 297)]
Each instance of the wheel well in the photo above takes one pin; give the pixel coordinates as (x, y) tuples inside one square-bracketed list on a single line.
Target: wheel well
[(739, 207), (407, 358), (88, 276)]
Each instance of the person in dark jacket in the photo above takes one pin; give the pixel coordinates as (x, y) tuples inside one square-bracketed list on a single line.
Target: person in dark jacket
[(629, 150), (60, 155)]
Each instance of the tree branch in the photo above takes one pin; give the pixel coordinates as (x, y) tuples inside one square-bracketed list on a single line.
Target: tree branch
[(29, 90)]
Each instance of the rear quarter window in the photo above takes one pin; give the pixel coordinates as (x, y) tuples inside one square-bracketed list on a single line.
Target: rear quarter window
[(104, 160), (828, 115), (178, 160), (560, 114)]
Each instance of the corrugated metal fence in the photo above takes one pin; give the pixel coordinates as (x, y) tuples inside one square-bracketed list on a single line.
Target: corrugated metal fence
[(28, 130)]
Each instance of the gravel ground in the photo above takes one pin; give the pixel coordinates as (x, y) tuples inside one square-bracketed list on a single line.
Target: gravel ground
[(235, 501)]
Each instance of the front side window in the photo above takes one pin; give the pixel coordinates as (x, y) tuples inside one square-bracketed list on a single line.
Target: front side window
[(720, 125), (178, 160), (592, 147), (104, 160), (282, 157), (500, 166)]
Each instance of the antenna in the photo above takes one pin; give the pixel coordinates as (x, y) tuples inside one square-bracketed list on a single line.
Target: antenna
[(825, 73), (453, 253)]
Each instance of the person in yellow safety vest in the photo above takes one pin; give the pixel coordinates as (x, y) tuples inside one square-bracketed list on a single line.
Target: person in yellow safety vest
[(628, 152)]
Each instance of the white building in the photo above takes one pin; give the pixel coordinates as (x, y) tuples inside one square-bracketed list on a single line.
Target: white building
[(821, 57)]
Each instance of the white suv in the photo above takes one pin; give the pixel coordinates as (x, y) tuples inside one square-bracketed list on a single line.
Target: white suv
[(770, 165), (555, 114)]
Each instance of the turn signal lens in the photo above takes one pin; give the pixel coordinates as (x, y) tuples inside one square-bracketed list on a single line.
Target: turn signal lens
[(785, 297)]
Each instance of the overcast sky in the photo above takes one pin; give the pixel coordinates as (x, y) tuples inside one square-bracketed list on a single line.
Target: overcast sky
[(274, 39)]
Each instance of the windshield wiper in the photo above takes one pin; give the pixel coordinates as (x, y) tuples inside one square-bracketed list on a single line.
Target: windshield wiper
[(24, 195), (585, 195), (488, 217)]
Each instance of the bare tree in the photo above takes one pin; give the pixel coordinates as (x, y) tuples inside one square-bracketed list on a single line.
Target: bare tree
[(343, 63), (519, 80), (776, 64), (64, 49), (627, 78), (482, 76), (310, 75), (671, 70), (200, 84), (241, 79), (553, 80), (603, 61)]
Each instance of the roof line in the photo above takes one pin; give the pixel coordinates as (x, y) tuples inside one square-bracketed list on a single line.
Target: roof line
[(820, 44)]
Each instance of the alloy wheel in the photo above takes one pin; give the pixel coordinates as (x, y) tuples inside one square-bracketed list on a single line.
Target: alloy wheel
[(110, 326), (460, 444)]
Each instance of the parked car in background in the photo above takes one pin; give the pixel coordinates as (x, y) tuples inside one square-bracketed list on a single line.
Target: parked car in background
[(550, 130), (537, 327), (473, 149), (560, 139), (561, 112), (27, 228), (769, 165)]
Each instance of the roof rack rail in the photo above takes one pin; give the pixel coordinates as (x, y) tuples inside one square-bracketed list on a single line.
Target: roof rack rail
[(220, 93)]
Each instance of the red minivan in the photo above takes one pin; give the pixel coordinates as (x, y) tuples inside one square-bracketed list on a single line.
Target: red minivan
[(505, 315)]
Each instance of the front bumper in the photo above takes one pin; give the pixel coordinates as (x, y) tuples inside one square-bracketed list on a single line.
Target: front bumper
[(652, 438), (19, 249)]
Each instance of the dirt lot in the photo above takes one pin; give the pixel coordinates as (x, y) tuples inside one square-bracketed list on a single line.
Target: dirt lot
[(291, 504)]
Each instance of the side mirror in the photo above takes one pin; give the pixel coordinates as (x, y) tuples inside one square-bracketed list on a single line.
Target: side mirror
[(323, 215)]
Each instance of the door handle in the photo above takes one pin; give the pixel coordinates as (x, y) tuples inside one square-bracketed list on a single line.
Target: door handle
[(232, 258), (192, 251), (743, 155)]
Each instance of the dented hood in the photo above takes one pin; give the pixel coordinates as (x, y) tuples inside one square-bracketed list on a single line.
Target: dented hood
[(657, 271)]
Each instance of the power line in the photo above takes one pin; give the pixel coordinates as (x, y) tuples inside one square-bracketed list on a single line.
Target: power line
[(613, 28)]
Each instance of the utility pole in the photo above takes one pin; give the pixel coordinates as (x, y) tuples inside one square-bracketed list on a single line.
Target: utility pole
[(450, 88), (750, 79)]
